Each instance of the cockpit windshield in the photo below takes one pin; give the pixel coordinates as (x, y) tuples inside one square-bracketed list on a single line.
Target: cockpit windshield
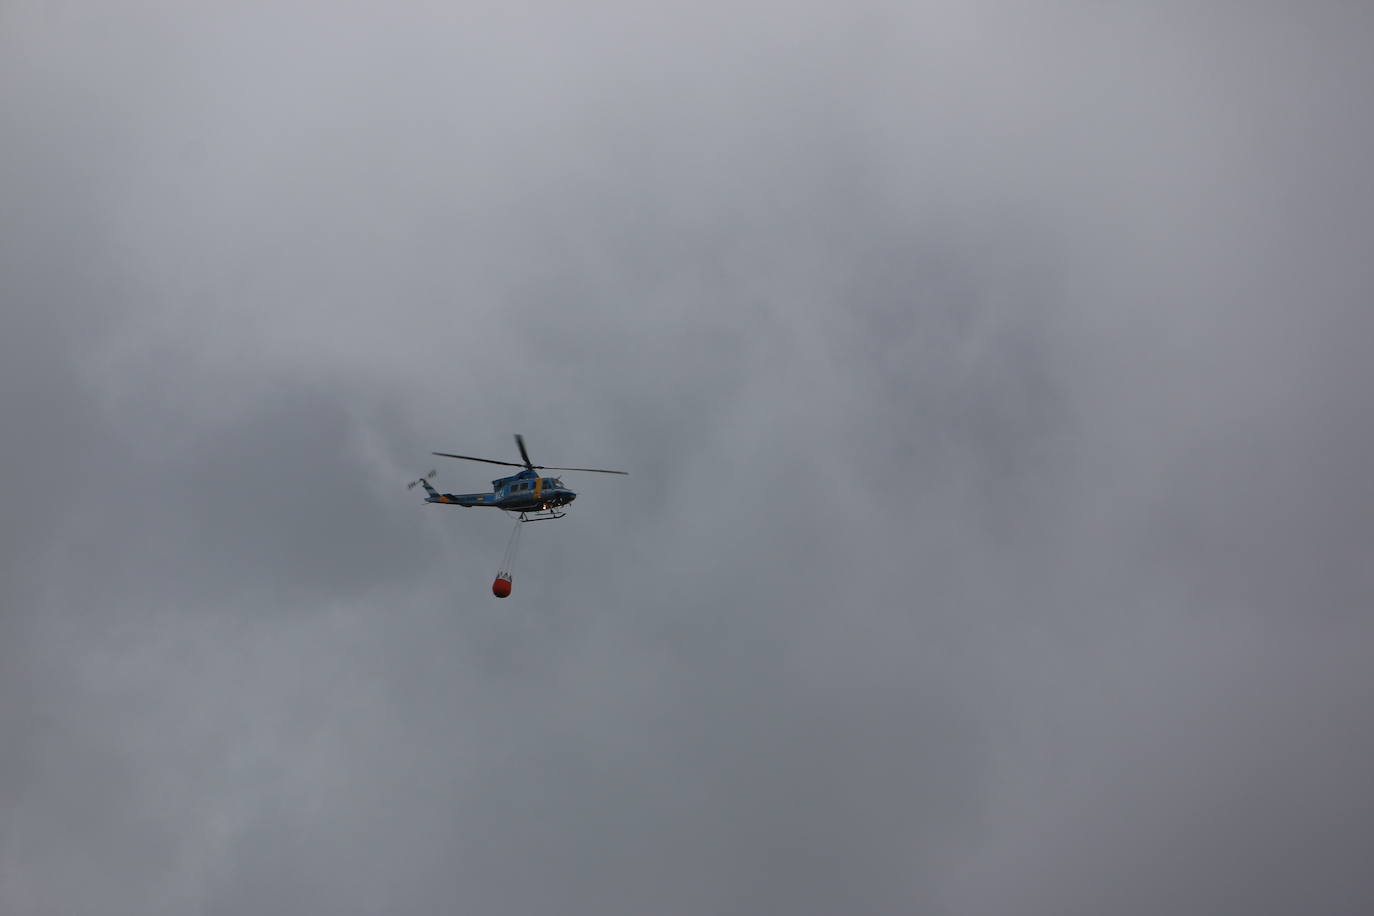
[(554, 483)]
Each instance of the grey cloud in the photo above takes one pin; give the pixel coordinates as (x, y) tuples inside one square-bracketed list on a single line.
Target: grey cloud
[(992, 383)]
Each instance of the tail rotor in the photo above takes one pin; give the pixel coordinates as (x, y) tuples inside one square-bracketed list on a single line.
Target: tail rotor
[(415, 483)]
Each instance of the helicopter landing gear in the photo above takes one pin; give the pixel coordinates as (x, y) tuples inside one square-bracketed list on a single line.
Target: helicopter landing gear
[(548, 513)]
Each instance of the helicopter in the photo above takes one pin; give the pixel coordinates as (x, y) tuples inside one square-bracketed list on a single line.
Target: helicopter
[(525, 494)]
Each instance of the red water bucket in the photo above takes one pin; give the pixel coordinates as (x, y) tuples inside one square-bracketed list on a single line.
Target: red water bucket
[(501, 587)]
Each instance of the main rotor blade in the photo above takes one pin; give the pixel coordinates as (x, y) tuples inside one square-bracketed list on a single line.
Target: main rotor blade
[(592, 470), (511, 464), (520, 441)]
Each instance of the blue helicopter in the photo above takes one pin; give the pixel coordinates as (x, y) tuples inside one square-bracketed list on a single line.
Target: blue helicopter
[(526, 494)]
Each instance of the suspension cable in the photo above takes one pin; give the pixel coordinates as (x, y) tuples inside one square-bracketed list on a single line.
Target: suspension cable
[(507, 570)]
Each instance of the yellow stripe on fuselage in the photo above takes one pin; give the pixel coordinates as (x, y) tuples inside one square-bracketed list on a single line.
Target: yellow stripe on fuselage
[(538, 487)]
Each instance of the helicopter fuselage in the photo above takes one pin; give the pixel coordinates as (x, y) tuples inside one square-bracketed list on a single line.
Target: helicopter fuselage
[(522, 492)]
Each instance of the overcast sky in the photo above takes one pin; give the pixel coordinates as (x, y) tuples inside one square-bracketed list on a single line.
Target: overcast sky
[(993, 380)]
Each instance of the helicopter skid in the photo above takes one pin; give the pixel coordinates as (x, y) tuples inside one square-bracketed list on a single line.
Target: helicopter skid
[(541, 515)]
